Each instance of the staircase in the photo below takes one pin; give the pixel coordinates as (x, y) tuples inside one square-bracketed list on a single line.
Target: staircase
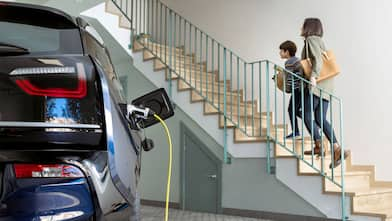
[(247, 102)]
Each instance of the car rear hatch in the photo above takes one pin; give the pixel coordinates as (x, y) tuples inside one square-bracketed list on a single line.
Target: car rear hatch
[(49, 103), (48, 89)]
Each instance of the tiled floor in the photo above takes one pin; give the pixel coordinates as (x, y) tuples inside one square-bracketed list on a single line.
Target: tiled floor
[(157, 214)]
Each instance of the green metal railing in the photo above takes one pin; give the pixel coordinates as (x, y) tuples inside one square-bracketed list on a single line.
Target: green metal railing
[(238, 90)]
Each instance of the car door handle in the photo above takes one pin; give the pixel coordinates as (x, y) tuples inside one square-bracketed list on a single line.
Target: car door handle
[(213, 176)]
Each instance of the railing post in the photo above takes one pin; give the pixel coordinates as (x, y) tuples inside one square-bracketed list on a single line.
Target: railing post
[(224, 105), (343, 162), (170, 52), (268, 119)]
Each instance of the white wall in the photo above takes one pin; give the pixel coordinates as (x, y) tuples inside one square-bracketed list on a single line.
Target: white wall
[(358, 31)]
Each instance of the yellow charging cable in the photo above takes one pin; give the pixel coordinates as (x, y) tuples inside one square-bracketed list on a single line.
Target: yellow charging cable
[(170, 166)]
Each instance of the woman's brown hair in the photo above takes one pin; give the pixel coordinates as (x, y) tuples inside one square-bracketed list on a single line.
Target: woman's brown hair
[(312, 26)]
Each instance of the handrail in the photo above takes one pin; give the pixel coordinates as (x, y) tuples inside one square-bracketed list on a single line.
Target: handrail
[(238, 90)]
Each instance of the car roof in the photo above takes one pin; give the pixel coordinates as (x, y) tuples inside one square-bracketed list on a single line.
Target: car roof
[(41, 10)]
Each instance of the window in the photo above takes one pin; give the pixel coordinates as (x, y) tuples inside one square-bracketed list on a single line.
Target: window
[(39, 31)]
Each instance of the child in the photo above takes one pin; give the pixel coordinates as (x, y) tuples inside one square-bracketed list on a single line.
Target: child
[(292, 64)]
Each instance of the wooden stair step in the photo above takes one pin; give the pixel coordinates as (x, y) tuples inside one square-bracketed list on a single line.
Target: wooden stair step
[(233, 107), (241, 137), (356, 179), (156, 47), (305, 168), (382, 200), (188, 67), (360, 191), (176, 58), (111, 8), (257, 122), (372, 208), (137, 46), (242, 111), (124, 22), (193, 69), (209, 77), (196, 97), (196, 83)]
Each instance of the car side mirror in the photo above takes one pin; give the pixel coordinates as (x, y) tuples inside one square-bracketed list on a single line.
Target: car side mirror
[(159, 102)]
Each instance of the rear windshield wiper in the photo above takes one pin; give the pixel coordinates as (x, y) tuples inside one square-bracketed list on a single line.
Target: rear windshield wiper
[(10, 49)]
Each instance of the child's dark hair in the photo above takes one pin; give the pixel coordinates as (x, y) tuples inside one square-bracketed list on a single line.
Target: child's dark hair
[(289, 46)]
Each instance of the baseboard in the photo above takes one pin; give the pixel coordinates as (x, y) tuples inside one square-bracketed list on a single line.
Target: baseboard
[(159, 204), (271, 215), (246, 213)]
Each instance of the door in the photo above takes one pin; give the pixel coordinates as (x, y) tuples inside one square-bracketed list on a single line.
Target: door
[(202, 174)]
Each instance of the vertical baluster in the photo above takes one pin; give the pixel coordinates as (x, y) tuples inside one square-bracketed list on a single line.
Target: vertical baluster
[(201, 63), (160, 34), (293, 113), (146, 21), (283, 112), (174, 46), (136, 17), (322, 131), (191, 54), (342, 166), (268, 118), (253, 114), (260, 99), (312, 120), (276, 108), (207, 67), (332, 134), (238, 92), (231, 86), (212, 69), (166, 43), (219, 84), (140, 17), (170, 51), (185, 50), (246, 99), (132, 18), (224, 103), (302, 118), (195, 68), (181, 73)]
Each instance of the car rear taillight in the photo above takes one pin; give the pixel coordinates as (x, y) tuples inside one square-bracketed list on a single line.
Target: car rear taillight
[(27, 75), (47, 171)]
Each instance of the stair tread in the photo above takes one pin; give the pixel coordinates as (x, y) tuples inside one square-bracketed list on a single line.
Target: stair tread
[(371, 191), (385, 212)]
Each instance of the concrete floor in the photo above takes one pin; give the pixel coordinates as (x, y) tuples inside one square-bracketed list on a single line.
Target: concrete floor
[(157, 214)]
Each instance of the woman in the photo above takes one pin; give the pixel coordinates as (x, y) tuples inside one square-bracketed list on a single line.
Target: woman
[(312, 31)]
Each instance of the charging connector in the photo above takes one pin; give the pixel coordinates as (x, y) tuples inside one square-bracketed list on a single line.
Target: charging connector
[(139, 112)]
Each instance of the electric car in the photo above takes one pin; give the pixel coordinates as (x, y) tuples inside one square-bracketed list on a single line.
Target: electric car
[(70, 145)]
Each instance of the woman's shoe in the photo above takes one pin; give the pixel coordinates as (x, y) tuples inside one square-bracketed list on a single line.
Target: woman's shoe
[(337, 159), (316, 149)]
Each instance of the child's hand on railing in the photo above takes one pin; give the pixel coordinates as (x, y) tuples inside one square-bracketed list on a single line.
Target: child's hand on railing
[(313, 82)]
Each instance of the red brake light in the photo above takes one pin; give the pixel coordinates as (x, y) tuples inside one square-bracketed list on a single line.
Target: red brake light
[(32, 89), (47, 171)]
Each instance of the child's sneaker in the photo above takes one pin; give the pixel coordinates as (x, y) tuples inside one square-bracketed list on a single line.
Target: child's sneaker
[(296, 136)]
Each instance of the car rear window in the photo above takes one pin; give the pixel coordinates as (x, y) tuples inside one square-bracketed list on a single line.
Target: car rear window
[(40, 31)]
